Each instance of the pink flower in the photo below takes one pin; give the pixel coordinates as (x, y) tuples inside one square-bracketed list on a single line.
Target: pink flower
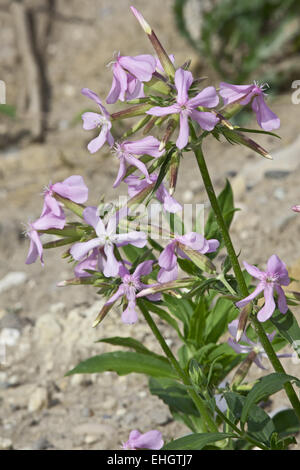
[(128, 75), (93, 120), (251, 345), (72, 188), (296, 208), (168, 257), (46, 221), (275, 277), (131, 284), (150, 440), (126, 150), (93, 262), (107, 238), (243, 94), (187, 107), (136, 185)]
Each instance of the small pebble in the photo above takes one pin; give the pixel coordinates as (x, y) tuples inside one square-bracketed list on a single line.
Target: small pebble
[(5, 443)]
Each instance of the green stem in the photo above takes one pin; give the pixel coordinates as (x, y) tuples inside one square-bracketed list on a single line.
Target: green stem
[(239, 274), (241, 434), (209, 423)]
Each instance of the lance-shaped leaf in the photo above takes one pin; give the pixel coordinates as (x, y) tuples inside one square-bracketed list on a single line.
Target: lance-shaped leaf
[(125, 362), (131, 343), (200, 260), (185, 282), (136, 110), (266, 386), (196, 441), (160, 51), (237, 137), (288, 328)]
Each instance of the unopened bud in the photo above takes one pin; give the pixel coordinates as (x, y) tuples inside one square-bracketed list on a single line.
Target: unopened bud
[(245, 312), (243, 369), (172, 124), (160, 51), (173, 172), (239, 138), (136, 110), (102, 314)]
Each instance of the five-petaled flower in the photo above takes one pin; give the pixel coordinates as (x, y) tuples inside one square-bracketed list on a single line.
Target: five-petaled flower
[(250, 345), (129, 73), (107, 238), (137, 185), (126, 150), (243, 94), (72, 188), (47, 221), (150, 440), (93, 120), (187, 107), (130, 286), (275, 277), (168, 257)]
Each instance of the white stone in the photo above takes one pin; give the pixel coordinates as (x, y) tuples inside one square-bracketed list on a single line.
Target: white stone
[(5, 443), (9, 336), (47, 329), (12, 279), (38, 400)]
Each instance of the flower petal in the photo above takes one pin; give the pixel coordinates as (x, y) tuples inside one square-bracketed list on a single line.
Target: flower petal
[(207, 98), (265, 117), (206, 120), (73, 188), (254, 271), (183, 81), (260, 287), (163, 111), (111, 265), (91, 120), (80, 250), (268, 309), (282, 303), (184, 131), (147, 146)]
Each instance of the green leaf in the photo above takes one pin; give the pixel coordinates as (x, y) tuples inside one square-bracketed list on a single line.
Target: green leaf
[(286, 422), (196, 441), (266, 386), (123, 363), (174, 395), (260, 425), (130, 343), (257, 131), (133, 253), (288, 328)]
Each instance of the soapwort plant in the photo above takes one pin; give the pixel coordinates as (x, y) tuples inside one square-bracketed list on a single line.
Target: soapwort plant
[(176, 277)]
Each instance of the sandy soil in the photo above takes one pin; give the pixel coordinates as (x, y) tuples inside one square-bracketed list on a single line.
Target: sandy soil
[(40, 408)]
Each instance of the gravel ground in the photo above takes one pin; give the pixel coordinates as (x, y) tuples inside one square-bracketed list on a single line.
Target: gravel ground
[(40, 408)]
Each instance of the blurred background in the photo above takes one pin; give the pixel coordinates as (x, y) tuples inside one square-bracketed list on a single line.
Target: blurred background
[(50, 49)]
